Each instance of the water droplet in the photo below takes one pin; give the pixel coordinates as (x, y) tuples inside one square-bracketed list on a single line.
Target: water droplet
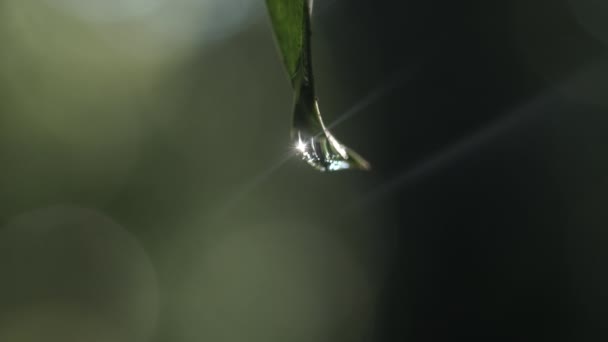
[(315, 144)]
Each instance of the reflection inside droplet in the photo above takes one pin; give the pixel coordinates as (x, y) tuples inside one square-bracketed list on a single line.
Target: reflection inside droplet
[(322, 150), (325, 153)]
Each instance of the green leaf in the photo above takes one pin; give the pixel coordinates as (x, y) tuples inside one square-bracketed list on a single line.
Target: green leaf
[(290, 26), (312, 140)]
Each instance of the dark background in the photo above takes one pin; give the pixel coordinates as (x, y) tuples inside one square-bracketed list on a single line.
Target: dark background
[(501, 235), (144, 193)]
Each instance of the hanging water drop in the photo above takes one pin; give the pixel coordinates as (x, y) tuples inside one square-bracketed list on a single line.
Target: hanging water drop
[(313, 142)]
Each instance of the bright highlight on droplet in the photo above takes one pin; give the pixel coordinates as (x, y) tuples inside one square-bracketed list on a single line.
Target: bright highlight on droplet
[(301, 146)]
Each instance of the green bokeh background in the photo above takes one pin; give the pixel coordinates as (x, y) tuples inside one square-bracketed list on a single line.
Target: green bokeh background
[(159, 138)]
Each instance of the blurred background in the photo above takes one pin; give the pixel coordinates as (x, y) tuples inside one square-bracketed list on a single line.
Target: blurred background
[(145, 193)]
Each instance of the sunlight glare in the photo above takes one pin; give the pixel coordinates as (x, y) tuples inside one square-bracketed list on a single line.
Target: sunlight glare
[(301, 146)]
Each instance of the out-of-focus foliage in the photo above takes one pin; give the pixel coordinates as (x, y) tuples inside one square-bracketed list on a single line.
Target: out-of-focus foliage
[(124, 133)]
